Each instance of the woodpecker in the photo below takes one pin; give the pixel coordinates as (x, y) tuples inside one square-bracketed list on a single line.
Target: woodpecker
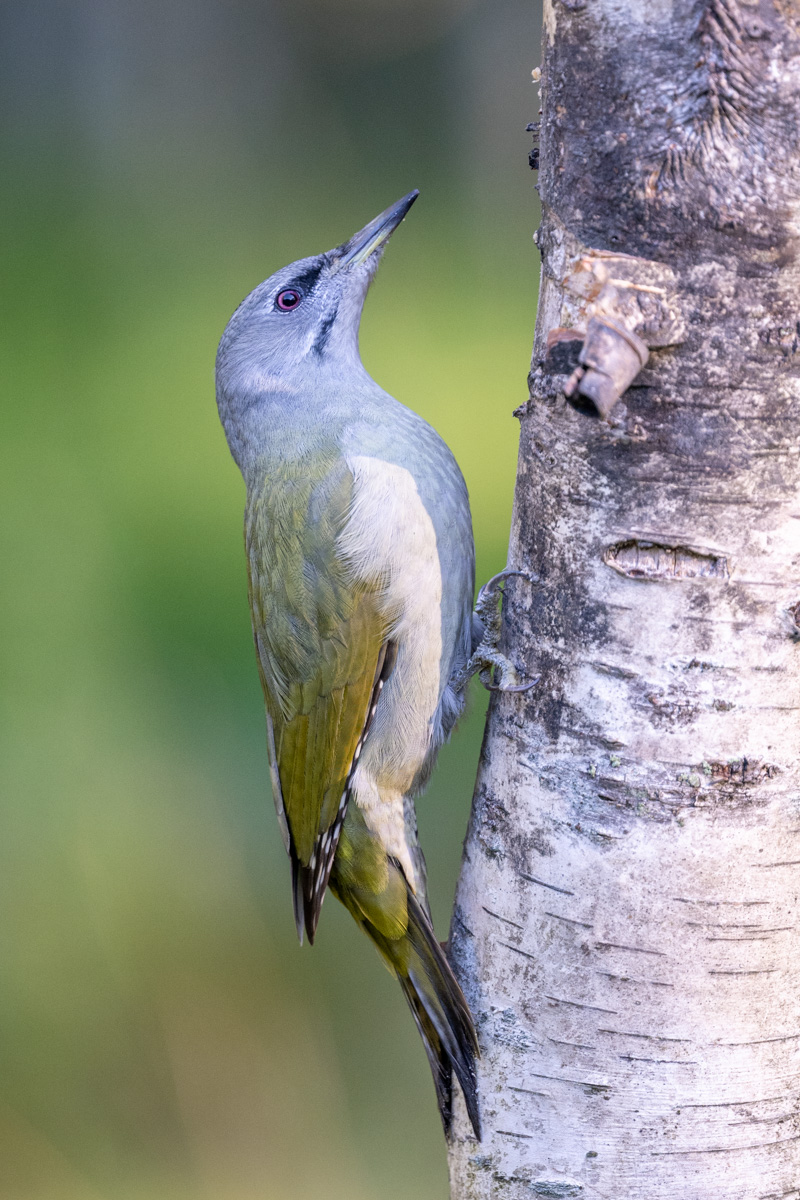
[(361, 569)]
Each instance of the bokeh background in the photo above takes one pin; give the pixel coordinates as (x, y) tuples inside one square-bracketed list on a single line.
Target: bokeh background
[(162, 1036)]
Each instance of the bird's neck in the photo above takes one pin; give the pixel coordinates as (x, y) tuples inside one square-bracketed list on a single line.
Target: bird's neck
[(283, 424)]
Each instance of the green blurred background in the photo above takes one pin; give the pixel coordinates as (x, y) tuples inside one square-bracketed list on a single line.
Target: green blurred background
[(161, 1033)]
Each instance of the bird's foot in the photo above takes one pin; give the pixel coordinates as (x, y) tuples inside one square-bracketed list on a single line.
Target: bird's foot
[(486, 660)]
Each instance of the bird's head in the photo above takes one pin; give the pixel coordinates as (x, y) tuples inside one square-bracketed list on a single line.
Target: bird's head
[(302, 321)]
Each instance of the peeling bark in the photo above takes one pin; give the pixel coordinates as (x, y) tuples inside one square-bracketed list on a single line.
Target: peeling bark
[(626, 925)]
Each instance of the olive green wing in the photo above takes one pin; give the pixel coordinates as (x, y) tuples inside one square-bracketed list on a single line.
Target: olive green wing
[(321, 641)]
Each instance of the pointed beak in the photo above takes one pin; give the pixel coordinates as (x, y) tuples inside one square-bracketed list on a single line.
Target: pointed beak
[(375, 235)]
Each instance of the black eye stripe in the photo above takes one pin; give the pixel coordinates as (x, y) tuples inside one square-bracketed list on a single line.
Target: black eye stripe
[(306, 282)]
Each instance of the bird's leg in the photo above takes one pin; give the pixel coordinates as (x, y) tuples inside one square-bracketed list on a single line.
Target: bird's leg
[(486, 659)]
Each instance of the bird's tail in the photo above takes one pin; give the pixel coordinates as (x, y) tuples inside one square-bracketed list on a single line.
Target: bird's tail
[(441, 1014), (374, 889)]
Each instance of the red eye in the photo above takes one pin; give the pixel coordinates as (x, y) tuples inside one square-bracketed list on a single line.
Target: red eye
[(287, 299)]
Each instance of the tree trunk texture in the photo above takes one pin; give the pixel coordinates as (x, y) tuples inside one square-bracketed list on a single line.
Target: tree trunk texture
[(626, 924)]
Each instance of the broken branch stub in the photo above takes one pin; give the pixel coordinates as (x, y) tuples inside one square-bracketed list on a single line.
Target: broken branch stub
[(620, 306), (610, 359)]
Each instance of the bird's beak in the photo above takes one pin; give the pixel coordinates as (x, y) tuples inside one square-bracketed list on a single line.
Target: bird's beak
[(375, 235)]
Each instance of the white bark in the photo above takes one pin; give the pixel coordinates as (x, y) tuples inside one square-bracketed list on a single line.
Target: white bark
[(626, 927)]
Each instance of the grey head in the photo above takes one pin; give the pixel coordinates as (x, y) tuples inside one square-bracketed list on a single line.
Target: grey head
[(294, 340)]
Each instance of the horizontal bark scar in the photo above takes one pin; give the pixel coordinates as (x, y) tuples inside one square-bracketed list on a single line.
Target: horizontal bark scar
[(637, 558), (740, 771), (632, 949), (725, 1149), (647, 1037), (497, 916), (631, 979), (591, 1089), (578, 1004), (551, 887), (660, 1062)]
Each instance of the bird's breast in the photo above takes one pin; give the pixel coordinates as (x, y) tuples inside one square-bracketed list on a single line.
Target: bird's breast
[(390, 540)]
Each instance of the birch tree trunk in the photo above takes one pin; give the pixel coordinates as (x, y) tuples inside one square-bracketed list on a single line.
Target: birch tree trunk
[(626, 926)]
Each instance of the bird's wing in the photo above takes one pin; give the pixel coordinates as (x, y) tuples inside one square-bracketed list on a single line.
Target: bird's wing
[(323, 654)]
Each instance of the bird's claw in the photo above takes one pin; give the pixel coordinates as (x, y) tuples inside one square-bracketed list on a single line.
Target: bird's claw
[(486, 659), (486, 608)]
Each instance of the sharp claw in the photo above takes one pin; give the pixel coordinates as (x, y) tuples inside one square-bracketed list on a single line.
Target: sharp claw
[(493, 583), (518, 687)]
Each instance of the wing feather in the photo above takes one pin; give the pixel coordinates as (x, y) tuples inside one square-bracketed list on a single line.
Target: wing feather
[(321, 644)]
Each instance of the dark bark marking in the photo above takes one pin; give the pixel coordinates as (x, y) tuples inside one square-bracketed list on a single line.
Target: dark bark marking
[(550, 886), (762, 1120), (572, 1045), (517, 950), (755, 937), (660, 1062), (534, 128), (562, 354), (790, 1037), (711, 925), (576, 1004), (615, 671), (713, 621), (569, 920), (598, 739), (497, 916), (593, 1088), (766, 971), (630, 979), (510, 1133), (647, 1037), (458, 917), (633, 949), (728, 1149), (742, 1103)]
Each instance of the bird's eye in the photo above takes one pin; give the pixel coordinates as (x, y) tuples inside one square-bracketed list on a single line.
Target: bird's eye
[(287, 299)]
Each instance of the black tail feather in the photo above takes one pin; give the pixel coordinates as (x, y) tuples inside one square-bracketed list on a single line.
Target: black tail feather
[(298, 900), (439, 1060), (442, 1017)]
